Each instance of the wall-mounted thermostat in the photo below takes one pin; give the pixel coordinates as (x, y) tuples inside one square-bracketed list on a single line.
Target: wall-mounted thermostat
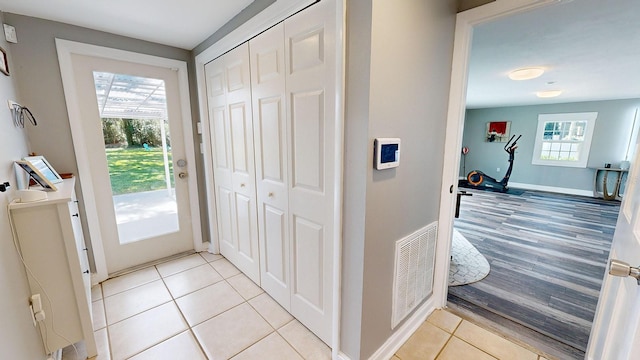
[(387, 153)]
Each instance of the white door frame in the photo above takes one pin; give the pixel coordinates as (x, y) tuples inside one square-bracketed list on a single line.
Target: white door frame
[(65, 49), (262, 21), (465, 21)]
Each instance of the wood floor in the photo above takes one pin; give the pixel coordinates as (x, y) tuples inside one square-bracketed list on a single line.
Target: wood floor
[(548, 254)]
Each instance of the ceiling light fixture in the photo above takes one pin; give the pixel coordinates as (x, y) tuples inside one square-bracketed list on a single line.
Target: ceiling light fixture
[(526, 73), (548, 93)]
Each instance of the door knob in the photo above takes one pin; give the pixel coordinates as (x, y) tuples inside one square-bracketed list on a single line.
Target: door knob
[(621, 268), (182, 175)]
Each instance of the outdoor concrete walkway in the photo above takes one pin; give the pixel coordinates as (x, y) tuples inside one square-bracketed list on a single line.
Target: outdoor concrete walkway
[(145, 214)]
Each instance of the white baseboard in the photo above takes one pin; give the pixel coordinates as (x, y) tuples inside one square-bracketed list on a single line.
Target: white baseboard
[(342, 356), (551, 189), (554, 189), (404, 332)]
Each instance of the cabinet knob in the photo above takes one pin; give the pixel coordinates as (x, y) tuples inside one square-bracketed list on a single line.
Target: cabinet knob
[(75, 201), (85, 249), (86, 271), (270, 194), (76, 215)]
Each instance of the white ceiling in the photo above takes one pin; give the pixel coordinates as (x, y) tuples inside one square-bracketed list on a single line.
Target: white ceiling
[(179, 23), (590, 49)]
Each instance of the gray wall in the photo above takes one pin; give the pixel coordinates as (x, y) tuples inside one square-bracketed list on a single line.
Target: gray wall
[(609, 144), (40, 85), (398, 74), (470, 4), (18, 337), (356, 173)]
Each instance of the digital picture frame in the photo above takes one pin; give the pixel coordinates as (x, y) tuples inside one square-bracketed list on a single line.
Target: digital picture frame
[(41, 171)]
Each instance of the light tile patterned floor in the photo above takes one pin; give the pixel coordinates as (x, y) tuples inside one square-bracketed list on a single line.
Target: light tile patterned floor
[(445, 336), (196, 307), (201, 307)]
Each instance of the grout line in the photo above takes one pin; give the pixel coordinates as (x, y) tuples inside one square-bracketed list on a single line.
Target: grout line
[(104, 308), (443, 346), (289, 342), (189, 327), (120, 292), (150, 264), (184, 318), (492, 355)]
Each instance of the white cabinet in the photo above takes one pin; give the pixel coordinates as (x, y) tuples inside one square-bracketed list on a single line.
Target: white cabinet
[(50, 239), (280, 149)]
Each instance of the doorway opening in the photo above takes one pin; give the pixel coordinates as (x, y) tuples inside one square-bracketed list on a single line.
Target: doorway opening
[(530, 178), (145, 90)]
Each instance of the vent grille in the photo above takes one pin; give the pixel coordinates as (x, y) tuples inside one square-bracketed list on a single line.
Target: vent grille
[(413, 278)]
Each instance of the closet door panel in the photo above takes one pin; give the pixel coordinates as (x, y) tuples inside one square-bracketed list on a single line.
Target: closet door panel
[(220, 135), (245, 208), (308, 132), (310, 83), (270, 128), (237, 76), (274, 244), (246, 257), (229, 95), (268, 89), (217, 116), (226, 218), (308, 267), (242, 148)]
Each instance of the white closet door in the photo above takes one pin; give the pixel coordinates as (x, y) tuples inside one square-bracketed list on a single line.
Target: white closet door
[(229, 93), (217, 104), (270, 136), (310, 83)]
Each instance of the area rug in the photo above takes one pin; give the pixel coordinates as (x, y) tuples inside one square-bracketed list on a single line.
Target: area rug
[(467, 264)]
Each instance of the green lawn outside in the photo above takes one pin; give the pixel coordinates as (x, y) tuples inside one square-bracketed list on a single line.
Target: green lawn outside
[(135, 169)]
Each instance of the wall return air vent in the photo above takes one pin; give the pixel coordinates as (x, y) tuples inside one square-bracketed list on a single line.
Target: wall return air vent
[(413, 277)]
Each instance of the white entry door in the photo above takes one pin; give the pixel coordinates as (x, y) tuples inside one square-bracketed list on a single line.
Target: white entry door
[(616, 328), (229, 97), (132, 141)]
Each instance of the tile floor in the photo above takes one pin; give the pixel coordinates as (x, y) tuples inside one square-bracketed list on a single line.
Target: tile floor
[(201, 307), (445, 336)]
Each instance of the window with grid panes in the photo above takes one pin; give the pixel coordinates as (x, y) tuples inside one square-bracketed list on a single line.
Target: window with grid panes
[(564, 139)]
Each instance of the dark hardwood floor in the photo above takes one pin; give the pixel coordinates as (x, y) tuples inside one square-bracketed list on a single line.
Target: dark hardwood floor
[(548, 254)]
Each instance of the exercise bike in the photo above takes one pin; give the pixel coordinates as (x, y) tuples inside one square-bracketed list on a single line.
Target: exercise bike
[(480, 180)]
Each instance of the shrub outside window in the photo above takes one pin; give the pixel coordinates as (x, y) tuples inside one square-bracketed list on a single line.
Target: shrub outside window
[(564, 139)]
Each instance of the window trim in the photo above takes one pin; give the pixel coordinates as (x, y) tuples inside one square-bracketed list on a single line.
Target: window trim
[(589, 117)]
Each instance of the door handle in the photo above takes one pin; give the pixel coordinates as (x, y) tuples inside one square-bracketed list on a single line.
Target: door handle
[(622, 269), (182, 175)]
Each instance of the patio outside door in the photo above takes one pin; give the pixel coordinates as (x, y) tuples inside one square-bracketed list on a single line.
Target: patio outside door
[(134, 140)]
